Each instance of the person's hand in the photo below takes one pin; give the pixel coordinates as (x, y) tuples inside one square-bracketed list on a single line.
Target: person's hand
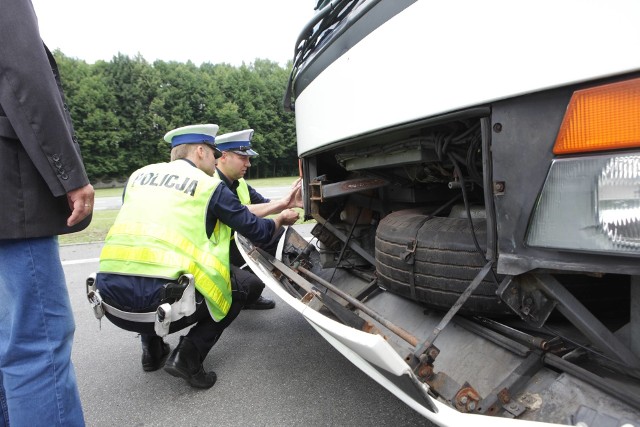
[(294, 198), (297, 184), (297, 198), (288, 217), (80, 203)]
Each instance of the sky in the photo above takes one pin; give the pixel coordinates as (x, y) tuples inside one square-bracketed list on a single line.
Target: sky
[(215, 31)]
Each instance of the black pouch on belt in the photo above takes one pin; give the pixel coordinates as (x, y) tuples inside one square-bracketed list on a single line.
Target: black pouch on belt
[(172, 291)]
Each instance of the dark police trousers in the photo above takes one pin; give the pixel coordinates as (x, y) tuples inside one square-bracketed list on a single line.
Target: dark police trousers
[(206, 331), (250, 281)]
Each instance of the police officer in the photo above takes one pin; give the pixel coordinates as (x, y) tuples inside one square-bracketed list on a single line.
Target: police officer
[(231, 168), (176, 219)]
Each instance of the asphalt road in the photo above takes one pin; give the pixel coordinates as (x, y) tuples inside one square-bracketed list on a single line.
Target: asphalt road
[(273, 370)]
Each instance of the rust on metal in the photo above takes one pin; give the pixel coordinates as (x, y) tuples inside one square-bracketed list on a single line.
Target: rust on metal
[(424, 371), (400, 332), (371, 329), (350, 186), (467, 399), (504, 395), (307, 298)]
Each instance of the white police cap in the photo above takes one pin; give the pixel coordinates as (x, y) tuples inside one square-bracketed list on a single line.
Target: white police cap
[(238, 142), (193, 134)]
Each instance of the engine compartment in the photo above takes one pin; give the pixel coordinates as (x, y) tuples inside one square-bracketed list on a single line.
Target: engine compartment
[(411, 213)]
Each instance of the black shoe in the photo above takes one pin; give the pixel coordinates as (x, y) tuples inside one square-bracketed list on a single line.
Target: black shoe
[(185, 363), (261, 303), (154, 353)]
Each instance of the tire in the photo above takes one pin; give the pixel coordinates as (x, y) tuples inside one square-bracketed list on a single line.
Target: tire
[(444, 263)]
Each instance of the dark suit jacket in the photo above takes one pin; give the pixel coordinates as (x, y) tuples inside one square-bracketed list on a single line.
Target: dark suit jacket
[(40, 158)]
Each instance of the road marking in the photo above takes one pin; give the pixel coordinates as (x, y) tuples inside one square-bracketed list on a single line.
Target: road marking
[(80, 261)]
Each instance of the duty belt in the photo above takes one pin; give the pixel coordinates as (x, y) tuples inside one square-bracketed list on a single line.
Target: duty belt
[(162, 317)]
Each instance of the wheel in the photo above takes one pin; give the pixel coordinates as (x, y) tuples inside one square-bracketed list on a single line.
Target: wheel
[(443, 263)]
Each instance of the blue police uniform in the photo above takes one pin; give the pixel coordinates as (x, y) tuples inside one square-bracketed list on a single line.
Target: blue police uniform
[(143, 294)]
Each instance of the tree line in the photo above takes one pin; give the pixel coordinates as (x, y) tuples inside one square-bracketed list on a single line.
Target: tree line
[(121, 110)]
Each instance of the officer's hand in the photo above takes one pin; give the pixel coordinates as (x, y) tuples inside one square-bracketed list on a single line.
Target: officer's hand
[(294, 198), (80, 203), (297, 198), (297, 184), (288, 217)]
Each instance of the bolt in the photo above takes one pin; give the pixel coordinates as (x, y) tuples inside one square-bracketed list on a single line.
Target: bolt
[(472, 405), (464, 400), (497, 127)]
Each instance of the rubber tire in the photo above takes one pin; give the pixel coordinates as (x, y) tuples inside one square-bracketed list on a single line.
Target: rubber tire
[(445, 261)]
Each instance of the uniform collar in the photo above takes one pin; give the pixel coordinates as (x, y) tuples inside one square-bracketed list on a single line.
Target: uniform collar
[(189, 161), (231, 184)]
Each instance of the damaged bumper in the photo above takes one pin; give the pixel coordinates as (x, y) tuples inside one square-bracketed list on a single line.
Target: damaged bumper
[(363, 343)]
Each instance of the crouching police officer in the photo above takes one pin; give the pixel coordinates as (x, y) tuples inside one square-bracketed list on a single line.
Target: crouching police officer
[(165, 262), (231, 168)]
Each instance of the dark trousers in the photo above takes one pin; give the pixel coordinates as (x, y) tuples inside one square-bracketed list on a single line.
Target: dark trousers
[(271, 247), (206, 331), (250, 281)]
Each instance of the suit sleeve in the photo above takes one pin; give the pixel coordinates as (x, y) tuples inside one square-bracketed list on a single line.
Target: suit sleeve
[(32, 100)]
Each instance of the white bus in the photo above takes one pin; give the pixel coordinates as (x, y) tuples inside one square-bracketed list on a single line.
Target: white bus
[(473, 170)]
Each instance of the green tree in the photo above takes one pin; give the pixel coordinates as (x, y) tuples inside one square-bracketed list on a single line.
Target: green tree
[(135, 85), (122, 109)]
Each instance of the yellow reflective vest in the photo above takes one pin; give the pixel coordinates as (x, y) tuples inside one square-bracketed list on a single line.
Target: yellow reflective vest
[(160, 231), (243, 192)]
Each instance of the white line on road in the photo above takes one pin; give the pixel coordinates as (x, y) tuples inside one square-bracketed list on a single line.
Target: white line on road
[(80, 261)]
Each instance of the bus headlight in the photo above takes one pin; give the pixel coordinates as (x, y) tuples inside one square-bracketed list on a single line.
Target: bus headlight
[(618, 201), (589, 204)]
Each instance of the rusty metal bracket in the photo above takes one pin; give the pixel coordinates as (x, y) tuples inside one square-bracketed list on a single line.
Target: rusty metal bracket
[(526, 300), (369, 312), (321, 190), (466, 399), (463, 397), (345, 315)]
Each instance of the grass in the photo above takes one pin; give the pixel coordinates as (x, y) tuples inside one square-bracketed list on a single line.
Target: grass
[(103, 219), (95, 232), (109, 192), (272, 182)]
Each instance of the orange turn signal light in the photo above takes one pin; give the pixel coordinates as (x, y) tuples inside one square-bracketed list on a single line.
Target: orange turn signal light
[(601, 118)]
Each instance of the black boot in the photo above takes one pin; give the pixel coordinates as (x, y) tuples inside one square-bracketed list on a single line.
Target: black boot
[(185, 363), (154, 352), (261, 303)]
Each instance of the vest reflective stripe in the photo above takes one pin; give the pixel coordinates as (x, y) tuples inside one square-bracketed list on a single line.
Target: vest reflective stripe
[(176, 240), (166, 263), (243, 192), (169, 260), (160, 232)]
